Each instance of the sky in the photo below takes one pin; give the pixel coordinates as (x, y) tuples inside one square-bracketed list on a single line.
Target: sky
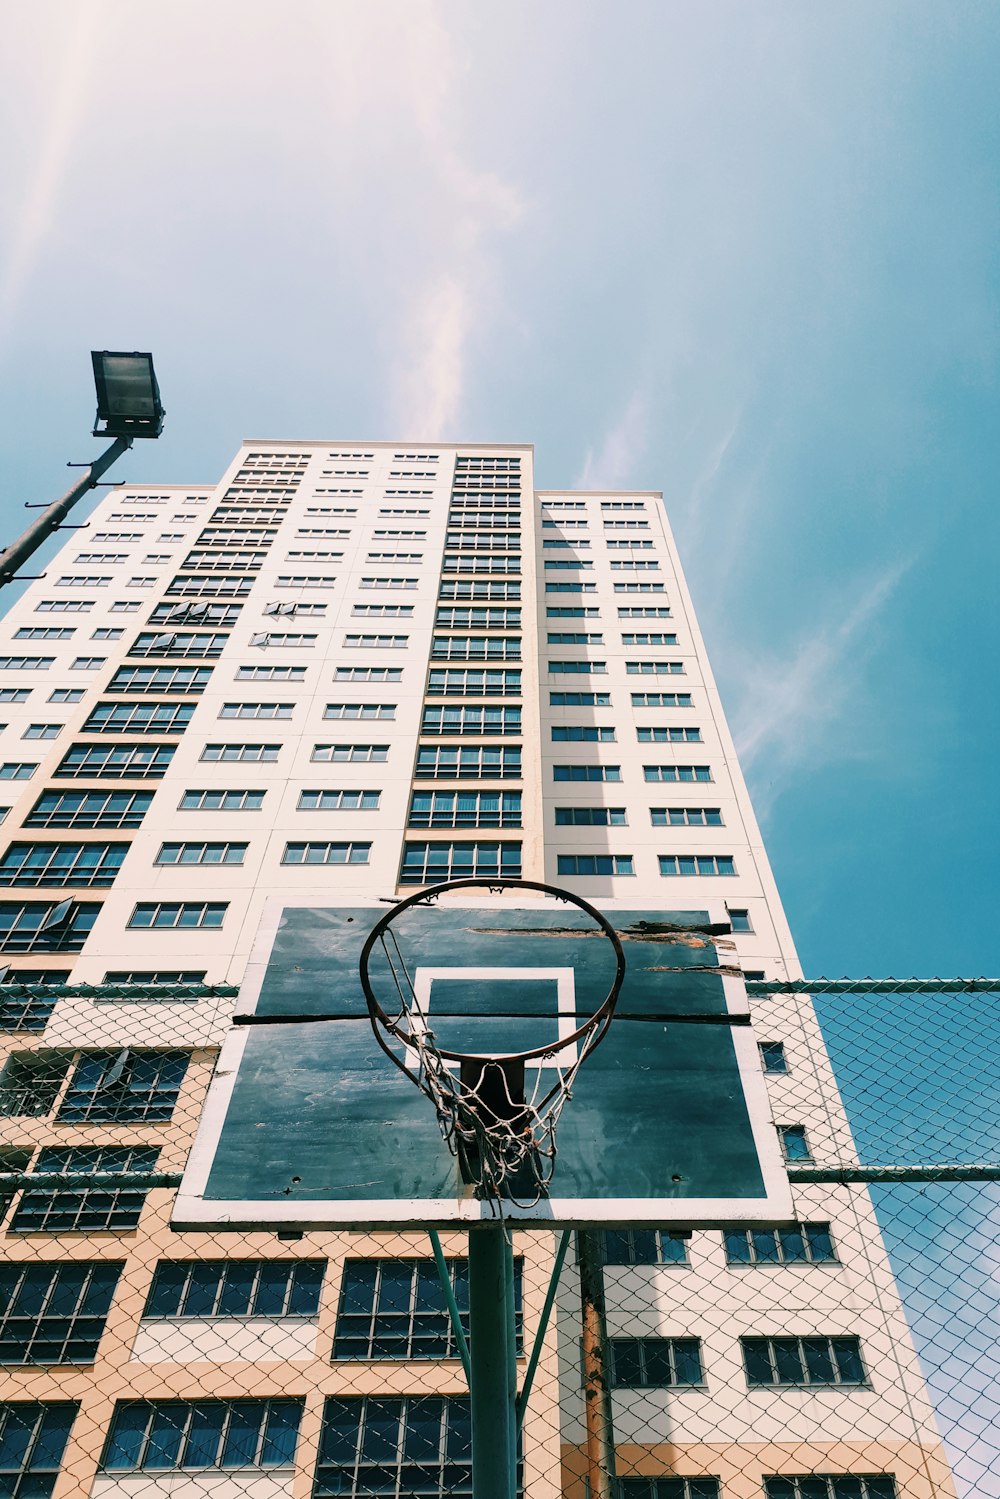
[(746, 254)]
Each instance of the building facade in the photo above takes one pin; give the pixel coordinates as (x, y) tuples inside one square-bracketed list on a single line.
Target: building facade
[(360, 668)]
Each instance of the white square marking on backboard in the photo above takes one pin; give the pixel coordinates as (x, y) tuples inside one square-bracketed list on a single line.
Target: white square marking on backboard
[(567, 1021)]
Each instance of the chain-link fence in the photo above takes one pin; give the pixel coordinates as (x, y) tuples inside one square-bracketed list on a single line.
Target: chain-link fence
[(852, 1355)]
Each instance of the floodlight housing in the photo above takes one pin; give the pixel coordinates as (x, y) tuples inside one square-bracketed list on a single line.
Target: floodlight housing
[(128, 397)]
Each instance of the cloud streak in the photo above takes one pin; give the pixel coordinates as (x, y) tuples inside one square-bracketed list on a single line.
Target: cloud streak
[(614, 462), (70, 91), (789, 705)]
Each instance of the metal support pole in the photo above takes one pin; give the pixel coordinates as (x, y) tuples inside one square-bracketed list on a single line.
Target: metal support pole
[(491, 1346), (543, 1324), (596, 1373), (454, 1314), (30, 540)]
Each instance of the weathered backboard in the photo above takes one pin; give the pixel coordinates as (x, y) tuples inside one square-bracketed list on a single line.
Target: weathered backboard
[(309, 1126)]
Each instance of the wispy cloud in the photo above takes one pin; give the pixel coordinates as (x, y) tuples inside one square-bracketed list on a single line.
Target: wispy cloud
[(74, 46), (614, 462), (404, 90), (789, 705)]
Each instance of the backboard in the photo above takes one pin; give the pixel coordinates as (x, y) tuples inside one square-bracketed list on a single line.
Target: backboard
[(310, 1126)]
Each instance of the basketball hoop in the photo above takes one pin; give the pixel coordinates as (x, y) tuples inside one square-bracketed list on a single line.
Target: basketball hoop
[(497, 1112)]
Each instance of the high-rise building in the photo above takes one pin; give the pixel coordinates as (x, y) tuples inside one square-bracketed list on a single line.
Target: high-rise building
[(355, 669)]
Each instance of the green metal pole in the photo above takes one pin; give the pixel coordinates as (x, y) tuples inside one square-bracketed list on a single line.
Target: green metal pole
[(493, 1409), (454, 1314), (30, 540), (510, 1328)]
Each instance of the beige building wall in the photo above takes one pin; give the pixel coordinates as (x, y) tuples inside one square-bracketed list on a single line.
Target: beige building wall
[(323, 520)]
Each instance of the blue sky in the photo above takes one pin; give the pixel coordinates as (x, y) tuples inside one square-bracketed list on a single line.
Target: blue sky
[(745, 254)]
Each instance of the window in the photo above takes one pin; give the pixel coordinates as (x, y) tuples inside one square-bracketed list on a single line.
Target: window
[(389, 582), (139, 718), (395, 1309), (41, 926), (44, 632), (580, 699), (120, 761), (254, 752), (33, 1437), (174, 976), (803, 1361), (685, 817), (83, 580), (772, 1056), (676, 773), (178, 914), (30, 1083), (696, 864), (180, 1435), (357, 753), (575, 733), (832, 1486), (223, 616), (65, 695), (395, 1445), (586, 772), (63, 1210), (642, 1246), (654, 1363), (630, 543), (618, 564), (270, 674), (480, 762), (649, 639), (26, 663), (397, 611), (794, 1142), (622, 505), (360, 710), (654, 668), (579, 864), (667, 1487), (575, 587), (429, 863), (64, 606), (338, 801), (285, 641), (465, 809), (157, 679), (626, 525), (54, 1314), (452, 682), (573, 637), (177, 643), (476, 648), (590, 817), (564, 541), (368, 674), (125, 607), (123, 1087), (553, 564), (43, 731), (221, 801), (660, 735), (642, 611), (235, 1288), (82, 864), (106, 632), (303, 580), (578, 668), (326, 853), (21, 1009), (478, 619), (798, 1244), (661, 700), (16, 694), (467, 588), (17, 770), (201, 853), (256, 710)]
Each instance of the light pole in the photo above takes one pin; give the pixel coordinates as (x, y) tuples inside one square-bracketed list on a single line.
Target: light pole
[(128, 403)]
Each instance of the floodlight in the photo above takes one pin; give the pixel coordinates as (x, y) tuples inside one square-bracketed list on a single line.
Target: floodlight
[(128, 397)]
